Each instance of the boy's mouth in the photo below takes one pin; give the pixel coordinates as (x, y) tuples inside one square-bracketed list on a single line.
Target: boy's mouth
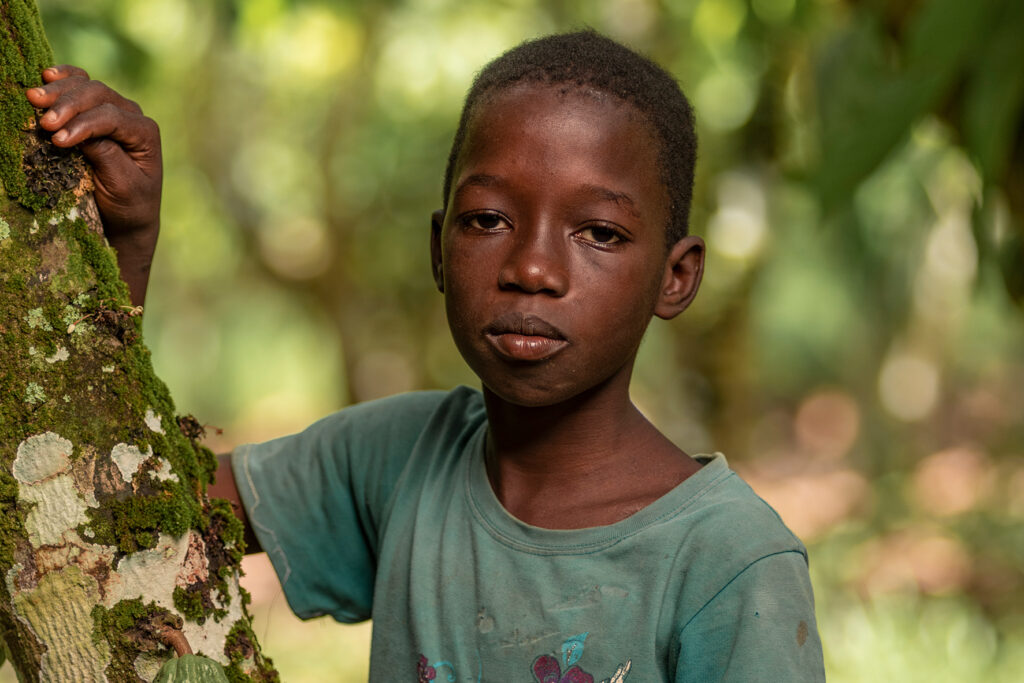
[(523, 337)]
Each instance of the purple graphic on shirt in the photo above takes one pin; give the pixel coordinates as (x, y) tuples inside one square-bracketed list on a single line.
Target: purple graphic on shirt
[(424, 672), (547, 670)]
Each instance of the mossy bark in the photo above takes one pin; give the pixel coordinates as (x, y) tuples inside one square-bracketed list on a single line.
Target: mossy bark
[(106, 536)]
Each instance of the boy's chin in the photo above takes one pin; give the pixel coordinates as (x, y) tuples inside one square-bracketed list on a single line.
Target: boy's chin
[(524, 395)]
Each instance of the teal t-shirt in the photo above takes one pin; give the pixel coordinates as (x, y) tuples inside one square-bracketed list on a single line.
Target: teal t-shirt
[(384, 510)]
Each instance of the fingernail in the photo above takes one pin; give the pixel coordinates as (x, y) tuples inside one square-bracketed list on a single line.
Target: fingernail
[(50, 72), (37, 92), (49, 117), (60, 135)]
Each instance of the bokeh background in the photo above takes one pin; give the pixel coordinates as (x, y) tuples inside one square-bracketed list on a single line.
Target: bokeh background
[(857, 349)]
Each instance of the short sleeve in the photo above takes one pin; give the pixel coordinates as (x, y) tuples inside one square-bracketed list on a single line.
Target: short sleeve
[(316, 500), (759, 627)]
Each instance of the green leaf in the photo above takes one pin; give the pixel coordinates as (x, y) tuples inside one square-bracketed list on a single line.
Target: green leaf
[(945, 33), (191, 669), (870, 96), (994, 100)]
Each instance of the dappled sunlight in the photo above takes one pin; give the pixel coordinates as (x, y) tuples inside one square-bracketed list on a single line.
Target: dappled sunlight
[(738, 228), (725, 98), (953, 481), (718, 22), (295, 246), (420, 70), (908, 385), (629, 19), (813, 502), (827, 424), (917, 559)]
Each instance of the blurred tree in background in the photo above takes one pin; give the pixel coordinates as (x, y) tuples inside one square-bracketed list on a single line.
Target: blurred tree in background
[(856, 350)]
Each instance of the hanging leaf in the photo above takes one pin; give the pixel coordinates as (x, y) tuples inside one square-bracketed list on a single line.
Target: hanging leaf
[(191, 669), (994, 101), (868, 104)]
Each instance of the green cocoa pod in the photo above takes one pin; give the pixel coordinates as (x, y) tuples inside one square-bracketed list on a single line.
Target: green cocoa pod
[(191, 669)]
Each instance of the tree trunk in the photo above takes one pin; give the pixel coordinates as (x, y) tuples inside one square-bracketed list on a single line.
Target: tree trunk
[(109, 549)]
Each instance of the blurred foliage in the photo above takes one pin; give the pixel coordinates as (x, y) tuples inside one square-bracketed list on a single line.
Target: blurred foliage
[(856, 348)]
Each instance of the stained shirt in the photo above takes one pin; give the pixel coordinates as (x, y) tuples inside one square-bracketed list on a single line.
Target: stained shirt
[(384, 511)]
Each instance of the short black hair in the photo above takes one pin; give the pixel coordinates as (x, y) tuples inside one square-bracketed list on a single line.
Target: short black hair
[(586, 59)]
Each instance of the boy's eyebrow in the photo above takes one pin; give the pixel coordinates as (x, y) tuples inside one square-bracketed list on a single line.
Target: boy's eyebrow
[(479, 180), (619, 198)]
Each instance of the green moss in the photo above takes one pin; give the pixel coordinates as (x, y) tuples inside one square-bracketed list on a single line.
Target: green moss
[(240, 649), (207, 461), (135, 523), (16, 282), (101, 409), (238, 641), (231, 532), (12, 518), (96, 262), (190, 603), (23, 56), (128, 627)]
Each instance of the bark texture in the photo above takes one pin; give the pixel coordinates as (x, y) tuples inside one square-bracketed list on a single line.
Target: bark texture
[(107, 540)]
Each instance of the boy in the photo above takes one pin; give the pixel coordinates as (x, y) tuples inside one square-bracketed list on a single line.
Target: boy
[(540, 529)]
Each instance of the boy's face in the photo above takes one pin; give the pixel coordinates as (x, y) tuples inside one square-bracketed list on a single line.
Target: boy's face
[(551, 253)]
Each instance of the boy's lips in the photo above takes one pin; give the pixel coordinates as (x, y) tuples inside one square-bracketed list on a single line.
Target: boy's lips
[(523, 337)]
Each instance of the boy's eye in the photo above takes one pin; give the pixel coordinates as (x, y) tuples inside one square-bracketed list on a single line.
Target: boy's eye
[(600, 234), (484, 221)]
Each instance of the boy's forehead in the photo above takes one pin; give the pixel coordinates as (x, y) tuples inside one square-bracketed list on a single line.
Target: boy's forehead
[(603, 141), (539, 110)]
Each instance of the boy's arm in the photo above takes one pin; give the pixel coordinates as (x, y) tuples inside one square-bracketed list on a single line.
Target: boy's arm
[(123, 147), (224, 486)]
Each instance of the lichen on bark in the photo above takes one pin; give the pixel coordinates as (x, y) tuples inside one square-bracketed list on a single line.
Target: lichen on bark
[(102, 495)]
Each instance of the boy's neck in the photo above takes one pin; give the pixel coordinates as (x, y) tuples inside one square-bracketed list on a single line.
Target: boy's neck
[(590, 461)]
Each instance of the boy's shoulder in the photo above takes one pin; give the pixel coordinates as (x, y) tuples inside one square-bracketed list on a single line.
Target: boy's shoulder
[(725, 513), (725, 530), (726, 503)]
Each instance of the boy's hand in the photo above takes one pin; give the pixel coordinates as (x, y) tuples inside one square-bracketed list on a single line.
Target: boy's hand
[(123, 147)]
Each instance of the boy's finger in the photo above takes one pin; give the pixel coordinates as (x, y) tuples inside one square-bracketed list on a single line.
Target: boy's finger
[(45, 95), (81, 97), (60, 71), (138, 135)]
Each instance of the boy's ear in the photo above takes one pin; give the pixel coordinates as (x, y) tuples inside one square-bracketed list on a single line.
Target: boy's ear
[(684, 269), (436, 222)]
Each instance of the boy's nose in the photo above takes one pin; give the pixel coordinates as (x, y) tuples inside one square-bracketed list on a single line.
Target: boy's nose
[(535, 264)]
